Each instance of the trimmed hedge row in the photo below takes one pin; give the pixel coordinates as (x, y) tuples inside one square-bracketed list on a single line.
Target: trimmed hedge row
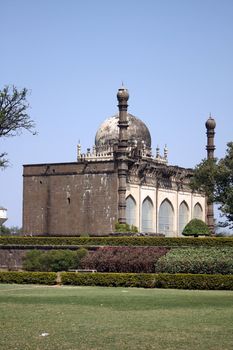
[(48, 278), (143, 280), (176, 281), (117, 241)]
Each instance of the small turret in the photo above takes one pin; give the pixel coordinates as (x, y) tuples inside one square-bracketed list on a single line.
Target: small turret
[(210, 127)]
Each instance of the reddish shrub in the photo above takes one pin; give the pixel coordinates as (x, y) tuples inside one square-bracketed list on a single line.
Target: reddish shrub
[(123, 259)]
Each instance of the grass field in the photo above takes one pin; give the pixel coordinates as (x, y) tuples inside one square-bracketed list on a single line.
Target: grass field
[(114, 318)]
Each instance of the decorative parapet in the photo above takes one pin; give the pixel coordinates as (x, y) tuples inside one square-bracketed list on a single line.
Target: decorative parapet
[(103, 153), (106, 152)]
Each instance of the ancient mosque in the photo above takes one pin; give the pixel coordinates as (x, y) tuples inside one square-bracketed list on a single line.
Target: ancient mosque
[(118, 180)]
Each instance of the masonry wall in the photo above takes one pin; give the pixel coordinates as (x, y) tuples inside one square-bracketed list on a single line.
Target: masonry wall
[(70, 199)]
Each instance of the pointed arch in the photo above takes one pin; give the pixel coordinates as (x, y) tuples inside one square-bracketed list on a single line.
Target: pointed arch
[(130, 210), (183, 216), (147, 215), (198, 211), (166, 218)]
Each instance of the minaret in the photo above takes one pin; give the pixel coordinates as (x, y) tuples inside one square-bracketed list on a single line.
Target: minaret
[(122, 152), (210, 126)]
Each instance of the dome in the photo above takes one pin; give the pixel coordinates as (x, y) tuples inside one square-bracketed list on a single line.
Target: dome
[(108, 132), (210, 123)]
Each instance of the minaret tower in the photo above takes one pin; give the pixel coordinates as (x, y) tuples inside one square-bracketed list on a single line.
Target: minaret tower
[(122, 152), (210, 127)]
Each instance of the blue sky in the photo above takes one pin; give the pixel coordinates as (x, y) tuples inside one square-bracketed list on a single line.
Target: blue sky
[(174, 56)]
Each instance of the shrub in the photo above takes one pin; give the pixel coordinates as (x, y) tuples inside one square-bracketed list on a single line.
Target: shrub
[(123, 259), (196, 228), (53, 260), (48, 278), (197, 260)]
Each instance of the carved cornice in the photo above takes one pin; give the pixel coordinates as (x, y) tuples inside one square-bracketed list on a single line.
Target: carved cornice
[(163, 176)]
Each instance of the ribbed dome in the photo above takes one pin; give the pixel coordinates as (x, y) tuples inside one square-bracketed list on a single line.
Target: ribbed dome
[(108, 132)]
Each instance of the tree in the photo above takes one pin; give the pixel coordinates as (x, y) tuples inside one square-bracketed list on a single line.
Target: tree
[(224, 185), (13, 115), (196, 228), (215, 179)]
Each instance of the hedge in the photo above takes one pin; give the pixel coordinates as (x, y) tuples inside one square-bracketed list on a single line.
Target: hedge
[(48, 278), (163, 280), (115, 241), (194, 281), (142, 280), (176, 281)]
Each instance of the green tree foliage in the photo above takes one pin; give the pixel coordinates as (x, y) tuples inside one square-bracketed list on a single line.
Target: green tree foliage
[(13, 115), (224, 185), (196, 227), (215, 179)]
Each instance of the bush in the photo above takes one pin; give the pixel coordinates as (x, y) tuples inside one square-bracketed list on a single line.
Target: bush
[(196, 228), (178, 281), (53, 260), (125, 228), (123, 259), (197, 261), (48, 278)]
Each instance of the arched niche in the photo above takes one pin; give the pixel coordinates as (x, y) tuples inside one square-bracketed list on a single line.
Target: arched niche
[(198, 211), (130, 210), (166, 218), (183, 216), (147, 215)]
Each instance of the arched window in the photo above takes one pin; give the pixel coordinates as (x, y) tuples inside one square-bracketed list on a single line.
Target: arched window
[(166, 218), (130, 210), (183, 216), (198, 212), (147, 215)]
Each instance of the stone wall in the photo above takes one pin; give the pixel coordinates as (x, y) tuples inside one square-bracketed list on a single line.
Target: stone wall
[(11, 259), (70, 199)]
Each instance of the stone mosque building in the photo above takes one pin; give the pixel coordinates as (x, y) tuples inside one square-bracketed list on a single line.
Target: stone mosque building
[(118, 180)]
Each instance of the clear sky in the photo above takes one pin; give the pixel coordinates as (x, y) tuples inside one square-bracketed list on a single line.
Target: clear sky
[(174, 56)]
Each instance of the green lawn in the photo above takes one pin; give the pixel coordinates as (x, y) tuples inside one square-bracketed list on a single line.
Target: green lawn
[(114, 318)]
